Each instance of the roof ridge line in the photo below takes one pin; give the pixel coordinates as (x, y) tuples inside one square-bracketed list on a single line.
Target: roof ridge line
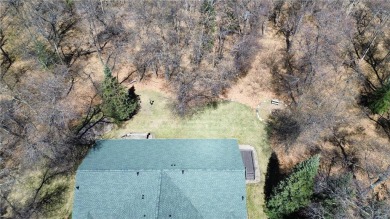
[(159, 195)]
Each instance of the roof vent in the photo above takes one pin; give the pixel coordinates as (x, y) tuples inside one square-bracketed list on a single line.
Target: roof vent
[(137, 173), (170, 215), (144, 215), (182, 171), (77, 187), (143, 196), (242, 197)]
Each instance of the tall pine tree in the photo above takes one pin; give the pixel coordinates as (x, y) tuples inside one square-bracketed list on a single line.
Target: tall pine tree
[(294, 192), (119, 103)]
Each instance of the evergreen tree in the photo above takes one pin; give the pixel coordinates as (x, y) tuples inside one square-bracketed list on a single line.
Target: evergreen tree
[(294, 192), (119, 103), (380, 101)]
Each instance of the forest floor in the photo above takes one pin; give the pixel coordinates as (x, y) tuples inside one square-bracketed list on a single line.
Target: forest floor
[(250, 89), (256, 86)]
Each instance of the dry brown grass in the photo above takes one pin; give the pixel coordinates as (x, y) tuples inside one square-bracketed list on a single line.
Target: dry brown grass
[(256, 86)]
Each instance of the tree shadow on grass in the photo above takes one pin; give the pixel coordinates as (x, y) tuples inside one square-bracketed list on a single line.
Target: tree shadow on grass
[(199, 108), (282, 129)]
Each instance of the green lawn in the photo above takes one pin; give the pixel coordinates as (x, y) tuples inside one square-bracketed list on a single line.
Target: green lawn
[(226, 120)]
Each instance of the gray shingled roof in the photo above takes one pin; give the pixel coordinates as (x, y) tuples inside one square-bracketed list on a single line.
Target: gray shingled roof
[(161, 178)]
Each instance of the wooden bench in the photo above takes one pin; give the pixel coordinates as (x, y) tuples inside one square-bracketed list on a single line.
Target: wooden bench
[(275, 102)]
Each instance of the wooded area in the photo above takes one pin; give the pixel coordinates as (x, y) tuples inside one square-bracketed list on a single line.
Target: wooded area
[(66, 68), (334, 74)]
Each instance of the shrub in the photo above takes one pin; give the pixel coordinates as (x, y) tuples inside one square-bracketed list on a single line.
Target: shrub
[(45, 56), (380, 100)]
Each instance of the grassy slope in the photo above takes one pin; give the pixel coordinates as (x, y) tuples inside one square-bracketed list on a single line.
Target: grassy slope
[(226, 120)]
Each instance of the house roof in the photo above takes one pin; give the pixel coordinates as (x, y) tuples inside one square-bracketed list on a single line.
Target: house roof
[(161, 178), (157, 154)]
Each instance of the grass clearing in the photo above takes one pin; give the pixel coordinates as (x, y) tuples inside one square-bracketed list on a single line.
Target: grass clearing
[(223, 120)]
